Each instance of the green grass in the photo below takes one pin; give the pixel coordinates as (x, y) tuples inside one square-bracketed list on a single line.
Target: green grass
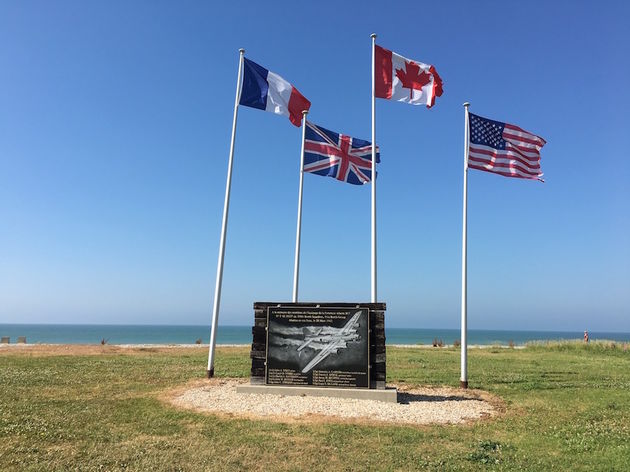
[(568, 408)]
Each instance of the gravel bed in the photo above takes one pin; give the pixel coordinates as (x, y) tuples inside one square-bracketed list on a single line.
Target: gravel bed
[(415, 406)]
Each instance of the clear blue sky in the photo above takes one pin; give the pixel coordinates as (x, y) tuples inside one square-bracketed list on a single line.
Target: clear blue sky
[(115, 121)]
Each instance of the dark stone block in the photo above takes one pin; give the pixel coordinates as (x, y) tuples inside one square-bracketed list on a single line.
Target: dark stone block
[(379, 317), (380, 367), (375, 339), (379, 376), (257, 346), (258, 331), (377, 349)]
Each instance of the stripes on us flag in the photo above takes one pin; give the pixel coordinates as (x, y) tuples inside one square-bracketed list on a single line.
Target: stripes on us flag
[(504, 149), (336, 155)]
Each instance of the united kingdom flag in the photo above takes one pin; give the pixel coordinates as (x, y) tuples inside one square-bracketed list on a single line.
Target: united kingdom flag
[(337, 155)]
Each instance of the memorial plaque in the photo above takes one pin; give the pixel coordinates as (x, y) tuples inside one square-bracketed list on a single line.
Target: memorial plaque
[(323, 347)]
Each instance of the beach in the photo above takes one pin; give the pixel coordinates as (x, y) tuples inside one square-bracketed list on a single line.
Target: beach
[(241, 335)]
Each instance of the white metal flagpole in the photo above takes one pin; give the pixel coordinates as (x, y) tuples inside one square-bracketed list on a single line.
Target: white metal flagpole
[(226, 207), (373, 36), (296, 267), (463, 381)]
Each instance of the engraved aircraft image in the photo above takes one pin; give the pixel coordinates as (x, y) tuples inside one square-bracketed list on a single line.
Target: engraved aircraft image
[(330, 341)]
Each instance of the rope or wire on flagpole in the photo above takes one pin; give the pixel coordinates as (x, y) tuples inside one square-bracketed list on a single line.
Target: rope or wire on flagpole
[(296, 267), (373, 232), (463, 381), (226, 207)]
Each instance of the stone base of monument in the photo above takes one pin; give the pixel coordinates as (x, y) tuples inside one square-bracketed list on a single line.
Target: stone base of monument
[(388, 395)]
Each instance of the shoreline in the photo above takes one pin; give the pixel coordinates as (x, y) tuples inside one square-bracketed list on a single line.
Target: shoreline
[(167, 335), (207, 346)]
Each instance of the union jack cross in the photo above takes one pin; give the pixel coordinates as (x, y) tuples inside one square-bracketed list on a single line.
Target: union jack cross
[(336, 155)]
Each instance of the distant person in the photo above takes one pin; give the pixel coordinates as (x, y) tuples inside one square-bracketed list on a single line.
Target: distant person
[(585, 336)]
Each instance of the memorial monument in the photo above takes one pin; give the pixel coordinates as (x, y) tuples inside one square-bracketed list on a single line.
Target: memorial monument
[(324, 349)]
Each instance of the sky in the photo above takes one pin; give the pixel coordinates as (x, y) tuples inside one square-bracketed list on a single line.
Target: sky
[(115, 124)]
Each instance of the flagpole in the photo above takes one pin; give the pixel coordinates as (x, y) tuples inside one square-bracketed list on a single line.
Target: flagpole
[(373, 299), (463, 381), (296, 267), (226, 207)]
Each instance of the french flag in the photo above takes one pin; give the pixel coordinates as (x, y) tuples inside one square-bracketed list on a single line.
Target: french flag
[(268, 91)]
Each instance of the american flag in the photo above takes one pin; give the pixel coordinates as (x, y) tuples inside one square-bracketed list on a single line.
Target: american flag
[(337, 155), (504, 149)]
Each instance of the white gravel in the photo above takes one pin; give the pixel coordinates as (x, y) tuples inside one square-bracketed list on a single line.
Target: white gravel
[(416, 406)]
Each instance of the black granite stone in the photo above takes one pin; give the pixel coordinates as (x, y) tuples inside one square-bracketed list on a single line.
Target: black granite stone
[(323, 347)]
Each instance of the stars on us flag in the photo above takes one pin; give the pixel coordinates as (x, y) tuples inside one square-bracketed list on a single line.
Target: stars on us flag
[(486, 132)]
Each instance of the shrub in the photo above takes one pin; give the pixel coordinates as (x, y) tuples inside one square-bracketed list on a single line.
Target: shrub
[(438, 342)]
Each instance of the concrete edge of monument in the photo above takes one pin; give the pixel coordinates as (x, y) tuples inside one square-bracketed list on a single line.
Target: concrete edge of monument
[(334, 349), (389, 395)]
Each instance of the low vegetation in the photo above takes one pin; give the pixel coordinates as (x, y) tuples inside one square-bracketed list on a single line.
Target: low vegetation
[(567, 408)]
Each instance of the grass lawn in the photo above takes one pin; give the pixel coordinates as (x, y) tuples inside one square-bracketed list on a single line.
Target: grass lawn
[(568, 408)]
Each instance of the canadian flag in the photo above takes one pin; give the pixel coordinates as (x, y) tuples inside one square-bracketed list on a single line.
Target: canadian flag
[(404, 80)]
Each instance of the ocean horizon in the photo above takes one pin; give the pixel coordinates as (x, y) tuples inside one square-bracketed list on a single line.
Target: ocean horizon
[(192, 334)]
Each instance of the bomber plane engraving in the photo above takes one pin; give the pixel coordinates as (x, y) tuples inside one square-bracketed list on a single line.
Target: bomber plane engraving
[(330, 341)]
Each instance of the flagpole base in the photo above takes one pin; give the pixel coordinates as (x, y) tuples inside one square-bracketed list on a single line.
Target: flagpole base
[(463, 384), (211, 373)]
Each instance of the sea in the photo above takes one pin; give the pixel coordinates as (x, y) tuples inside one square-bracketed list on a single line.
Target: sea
[(190, 334)]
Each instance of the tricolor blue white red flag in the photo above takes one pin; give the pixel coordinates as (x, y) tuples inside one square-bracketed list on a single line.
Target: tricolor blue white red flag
[(337, 155), (268, 91), (504, 149)]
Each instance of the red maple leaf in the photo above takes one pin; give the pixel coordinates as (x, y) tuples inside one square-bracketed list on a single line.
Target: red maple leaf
[(412, 78)]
